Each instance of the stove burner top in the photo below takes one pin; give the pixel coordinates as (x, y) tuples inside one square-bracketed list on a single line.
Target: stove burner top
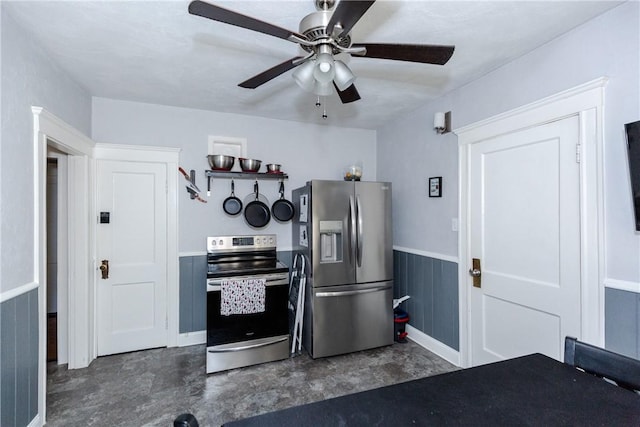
[(234, 269), (234, 256)]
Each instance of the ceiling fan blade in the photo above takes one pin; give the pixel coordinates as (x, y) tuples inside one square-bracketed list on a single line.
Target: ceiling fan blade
[(217, 13), (425, 53), (347, 13), (271, 73), (348, 95)]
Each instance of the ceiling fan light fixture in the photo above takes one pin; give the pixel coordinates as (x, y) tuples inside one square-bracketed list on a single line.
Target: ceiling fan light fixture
[(344, 77), (303, 75), (325, 69), (323, 89)]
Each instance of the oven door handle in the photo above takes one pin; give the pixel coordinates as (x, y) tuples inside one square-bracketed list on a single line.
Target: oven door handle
[(250, 346), (216, 285)]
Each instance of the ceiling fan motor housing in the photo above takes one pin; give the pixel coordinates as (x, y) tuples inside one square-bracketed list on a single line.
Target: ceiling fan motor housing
[(325, 4), (314, 25)]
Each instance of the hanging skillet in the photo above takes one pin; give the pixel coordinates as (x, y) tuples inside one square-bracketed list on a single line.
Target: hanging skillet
[(256, 213), (232, 205), (282, 209)]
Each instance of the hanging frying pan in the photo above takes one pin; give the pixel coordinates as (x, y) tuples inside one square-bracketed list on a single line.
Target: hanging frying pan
[(256, 213), (282, 209), (232, 205)]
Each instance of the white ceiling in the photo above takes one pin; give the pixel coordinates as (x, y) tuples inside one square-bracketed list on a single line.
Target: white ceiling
[(156, 52)]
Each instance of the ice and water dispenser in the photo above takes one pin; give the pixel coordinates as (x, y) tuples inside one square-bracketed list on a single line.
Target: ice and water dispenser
[(330, 241)]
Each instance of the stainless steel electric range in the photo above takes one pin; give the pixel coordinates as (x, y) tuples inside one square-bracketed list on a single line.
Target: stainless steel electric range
[(236, 340)]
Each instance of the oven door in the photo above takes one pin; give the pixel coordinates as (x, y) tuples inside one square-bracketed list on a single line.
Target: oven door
[(244, 327)]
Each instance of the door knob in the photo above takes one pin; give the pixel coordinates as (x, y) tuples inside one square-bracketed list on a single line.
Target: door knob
[(104, 269), (476, 272)]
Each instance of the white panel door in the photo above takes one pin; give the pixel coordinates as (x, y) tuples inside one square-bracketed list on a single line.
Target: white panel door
[(525, 229), (131, 302)]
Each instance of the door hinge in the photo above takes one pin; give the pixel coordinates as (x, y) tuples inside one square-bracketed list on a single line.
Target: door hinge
[(577, 153)]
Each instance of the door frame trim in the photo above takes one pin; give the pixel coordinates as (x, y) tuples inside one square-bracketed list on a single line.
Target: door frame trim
[(49, 130), (587, 102)]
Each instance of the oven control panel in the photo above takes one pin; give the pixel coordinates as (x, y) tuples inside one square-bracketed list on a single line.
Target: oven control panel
[(230, 243)]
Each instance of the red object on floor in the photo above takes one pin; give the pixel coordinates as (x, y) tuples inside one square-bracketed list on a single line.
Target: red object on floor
[(400, 319)]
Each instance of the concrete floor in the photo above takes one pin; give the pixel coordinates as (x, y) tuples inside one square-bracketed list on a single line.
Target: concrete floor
[(152, 387)]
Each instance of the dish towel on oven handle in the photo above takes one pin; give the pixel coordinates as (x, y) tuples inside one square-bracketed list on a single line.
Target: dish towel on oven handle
[(242, 296)]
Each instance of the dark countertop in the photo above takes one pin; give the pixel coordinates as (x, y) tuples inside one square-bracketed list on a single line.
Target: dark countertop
[(530, 390)]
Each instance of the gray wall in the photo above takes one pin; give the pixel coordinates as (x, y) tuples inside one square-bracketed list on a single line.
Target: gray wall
[(18, 359), (28, 78), (193, 294), (433, 287), (608, 45), (622, 308), (305, 151)]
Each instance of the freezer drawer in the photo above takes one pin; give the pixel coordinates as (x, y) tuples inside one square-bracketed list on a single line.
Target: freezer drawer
[(351, 318)]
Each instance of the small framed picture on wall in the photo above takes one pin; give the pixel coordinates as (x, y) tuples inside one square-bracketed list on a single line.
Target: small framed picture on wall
[(435, 186)]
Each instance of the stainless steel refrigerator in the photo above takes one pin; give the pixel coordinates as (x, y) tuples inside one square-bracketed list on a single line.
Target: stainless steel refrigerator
[(343, 228)]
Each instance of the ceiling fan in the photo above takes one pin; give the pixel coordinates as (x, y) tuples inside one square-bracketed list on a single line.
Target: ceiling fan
[(323, 34)]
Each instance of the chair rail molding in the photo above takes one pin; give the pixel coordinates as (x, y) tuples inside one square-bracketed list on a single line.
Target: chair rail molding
[(428, 254), (622, 285)]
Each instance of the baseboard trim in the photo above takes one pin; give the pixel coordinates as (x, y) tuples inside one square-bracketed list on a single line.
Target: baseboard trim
[(433, 345), (415, 335), (192, 338), (35, 422)]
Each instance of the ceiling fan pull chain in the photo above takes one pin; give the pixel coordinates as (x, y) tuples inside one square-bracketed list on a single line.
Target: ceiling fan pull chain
[(324, 112), (318, 102)]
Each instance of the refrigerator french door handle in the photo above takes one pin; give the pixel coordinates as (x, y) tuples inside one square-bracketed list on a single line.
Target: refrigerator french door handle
[(359, 228), (347, 293), (352, 219)]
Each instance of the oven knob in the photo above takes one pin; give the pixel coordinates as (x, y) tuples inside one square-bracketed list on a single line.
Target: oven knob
[(213, 243), (221, 242)]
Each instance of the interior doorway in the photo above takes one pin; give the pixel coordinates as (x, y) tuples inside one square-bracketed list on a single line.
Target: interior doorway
[(57, 258), (76, 149), (52, 259)]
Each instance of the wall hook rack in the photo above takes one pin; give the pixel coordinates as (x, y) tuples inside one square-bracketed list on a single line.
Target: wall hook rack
[(192, 188)]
